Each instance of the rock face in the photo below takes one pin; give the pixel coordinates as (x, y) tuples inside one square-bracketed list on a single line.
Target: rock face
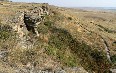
[(28, 22), (107, 49), (35, 17)]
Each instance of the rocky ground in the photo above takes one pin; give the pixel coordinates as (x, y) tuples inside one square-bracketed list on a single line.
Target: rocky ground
[(40, 38)]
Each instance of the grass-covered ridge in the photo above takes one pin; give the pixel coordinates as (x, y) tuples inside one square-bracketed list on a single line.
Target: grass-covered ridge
[(63, 39), (72, 52), (90, 59)]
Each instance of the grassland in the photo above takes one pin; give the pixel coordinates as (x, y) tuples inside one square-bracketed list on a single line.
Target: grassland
[(68, 38)]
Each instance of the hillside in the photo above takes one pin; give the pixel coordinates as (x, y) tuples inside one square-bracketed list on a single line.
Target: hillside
[(38, 38)]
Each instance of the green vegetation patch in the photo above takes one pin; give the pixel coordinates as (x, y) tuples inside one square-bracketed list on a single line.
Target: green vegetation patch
[(65, 56), (113, 58), (61, 41), (70, 18), (92, 60), (42, 29), (5, 32)]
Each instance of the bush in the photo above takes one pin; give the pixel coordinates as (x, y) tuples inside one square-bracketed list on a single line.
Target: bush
[(42, 29), (48, 23), (113, 58), (60, 38), (69, 18), (5, 32)]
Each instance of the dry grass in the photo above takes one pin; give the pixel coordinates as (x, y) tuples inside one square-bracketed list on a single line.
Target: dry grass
[(71, 38)]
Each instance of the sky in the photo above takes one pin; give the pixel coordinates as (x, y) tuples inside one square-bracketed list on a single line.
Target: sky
[(75, 3)]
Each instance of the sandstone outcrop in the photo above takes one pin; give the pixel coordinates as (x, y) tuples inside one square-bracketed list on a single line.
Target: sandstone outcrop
[(28, 22)]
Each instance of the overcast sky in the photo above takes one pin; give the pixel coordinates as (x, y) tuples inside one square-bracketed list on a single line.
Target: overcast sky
[(75, 3)]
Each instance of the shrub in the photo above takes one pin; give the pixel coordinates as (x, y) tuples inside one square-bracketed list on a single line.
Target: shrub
[(113, 58), (5, 32), (42, 29), (60, 38), (51, 50), (48, 23), (69, 18)]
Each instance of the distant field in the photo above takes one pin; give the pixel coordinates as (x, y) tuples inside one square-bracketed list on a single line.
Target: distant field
[(106, 9)]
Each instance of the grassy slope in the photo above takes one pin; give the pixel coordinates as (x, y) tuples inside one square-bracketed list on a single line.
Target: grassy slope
[(64, 40)]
